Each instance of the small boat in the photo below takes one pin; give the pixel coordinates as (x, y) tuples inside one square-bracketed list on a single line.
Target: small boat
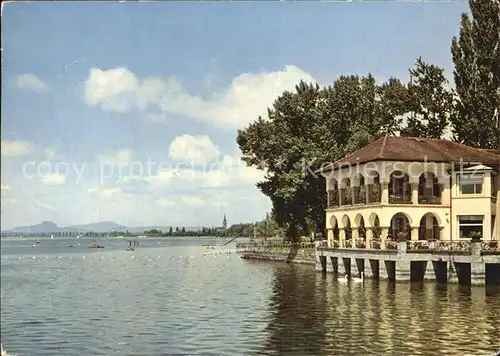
[(130, 249), (96, 245), (3, 352)]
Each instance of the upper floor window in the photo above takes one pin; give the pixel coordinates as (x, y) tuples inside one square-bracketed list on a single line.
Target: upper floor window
[(471, 183), (470, 225)]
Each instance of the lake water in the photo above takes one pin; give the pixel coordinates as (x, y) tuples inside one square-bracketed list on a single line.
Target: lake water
[(167, 298)]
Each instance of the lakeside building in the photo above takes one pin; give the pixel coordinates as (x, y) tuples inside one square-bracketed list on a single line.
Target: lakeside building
[(410, 209), (422, 190)]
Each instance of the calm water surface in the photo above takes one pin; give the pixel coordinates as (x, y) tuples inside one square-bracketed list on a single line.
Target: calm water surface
[(168, 298)]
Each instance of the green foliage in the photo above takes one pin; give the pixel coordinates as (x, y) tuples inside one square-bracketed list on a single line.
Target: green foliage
[(311, 126), (476, 56), (308, 128), (430, 102)]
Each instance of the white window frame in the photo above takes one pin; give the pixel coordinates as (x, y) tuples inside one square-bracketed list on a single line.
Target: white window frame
[(471, 224), (478, 176), (493, 180)]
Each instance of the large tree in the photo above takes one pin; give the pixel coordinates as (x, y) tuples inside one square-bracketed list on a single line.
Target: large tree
[(309, 127), (429, 102), (476, 56)]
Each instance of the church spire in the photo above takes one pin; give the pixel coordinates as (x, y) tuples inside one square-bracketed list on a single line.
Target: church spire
[(224, 222)]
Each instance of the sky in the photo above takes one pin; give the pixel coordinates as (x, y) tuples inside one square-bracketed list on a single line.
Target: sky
[(128, 112)]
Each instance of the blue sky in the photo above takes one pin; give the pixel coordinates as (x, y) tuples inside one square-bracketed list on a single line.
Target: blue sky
[(96, 90)]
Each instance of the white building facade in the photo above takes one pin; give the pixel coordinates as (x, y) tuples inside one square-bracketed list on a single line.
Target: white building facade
[(400, 188)]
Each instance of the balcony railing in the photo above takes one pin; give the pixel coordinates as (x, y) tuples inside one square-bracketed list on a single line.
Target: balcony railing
[(273, 244), (375, 193), (347, 196), (347, 243), (375, 244), (452, 245), (360, 195), (400, 199), (490, 247), (431, 246), (429, 200), (333, 199), (360, 243), (419, 245), (391, 245)]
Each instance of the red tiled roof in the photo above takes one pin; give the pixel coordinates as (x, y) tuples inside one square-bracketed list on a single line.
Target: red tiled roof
[(495, 151), (410, 149)]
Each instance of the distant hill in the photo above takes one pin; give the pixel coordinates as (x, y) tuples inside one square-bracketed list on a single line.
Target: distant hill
[(43, 227), (103, 226)]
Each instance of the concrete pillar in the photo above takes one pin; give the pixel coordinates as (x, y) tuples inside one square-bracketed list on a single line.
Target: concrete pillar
[(341, 235), (478, 273), (329, 266), (403, 271), (383, 235), (414, 192), (355, 234), (452, 276), (402, 246), (334, 264), (354, 268), (319, 267), (340, 267), (476, 249), (329, 234), (368, 269), (384, 197), (369, 236), (477, 266), (429, 271), (382, 270), (414, 233)]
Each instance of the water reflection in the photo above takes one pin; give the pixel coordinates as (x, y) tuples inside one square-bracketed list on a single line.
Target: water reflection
[(296, 326), (314, 314), (172, 299)]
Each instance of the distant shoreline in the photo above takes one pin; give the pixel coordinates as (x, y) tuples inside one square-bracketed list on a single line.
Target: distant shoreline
[(105, 236)]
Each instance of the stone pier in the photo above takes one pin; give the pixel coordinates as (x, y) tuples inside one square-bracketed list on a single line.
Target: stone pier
[(468, 265)]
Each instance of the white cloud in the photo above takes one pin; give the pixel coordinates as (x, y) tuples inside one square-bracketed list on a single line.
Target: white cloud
[(227, 174), (104, 191), (165, 201), (9, 200), (248, 96), (193, 149), (192, 201), (54, 179), (50, 154), (123, 156), (187, 195), (112, 90), (30, 81), (11, 148), (41, 204)]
